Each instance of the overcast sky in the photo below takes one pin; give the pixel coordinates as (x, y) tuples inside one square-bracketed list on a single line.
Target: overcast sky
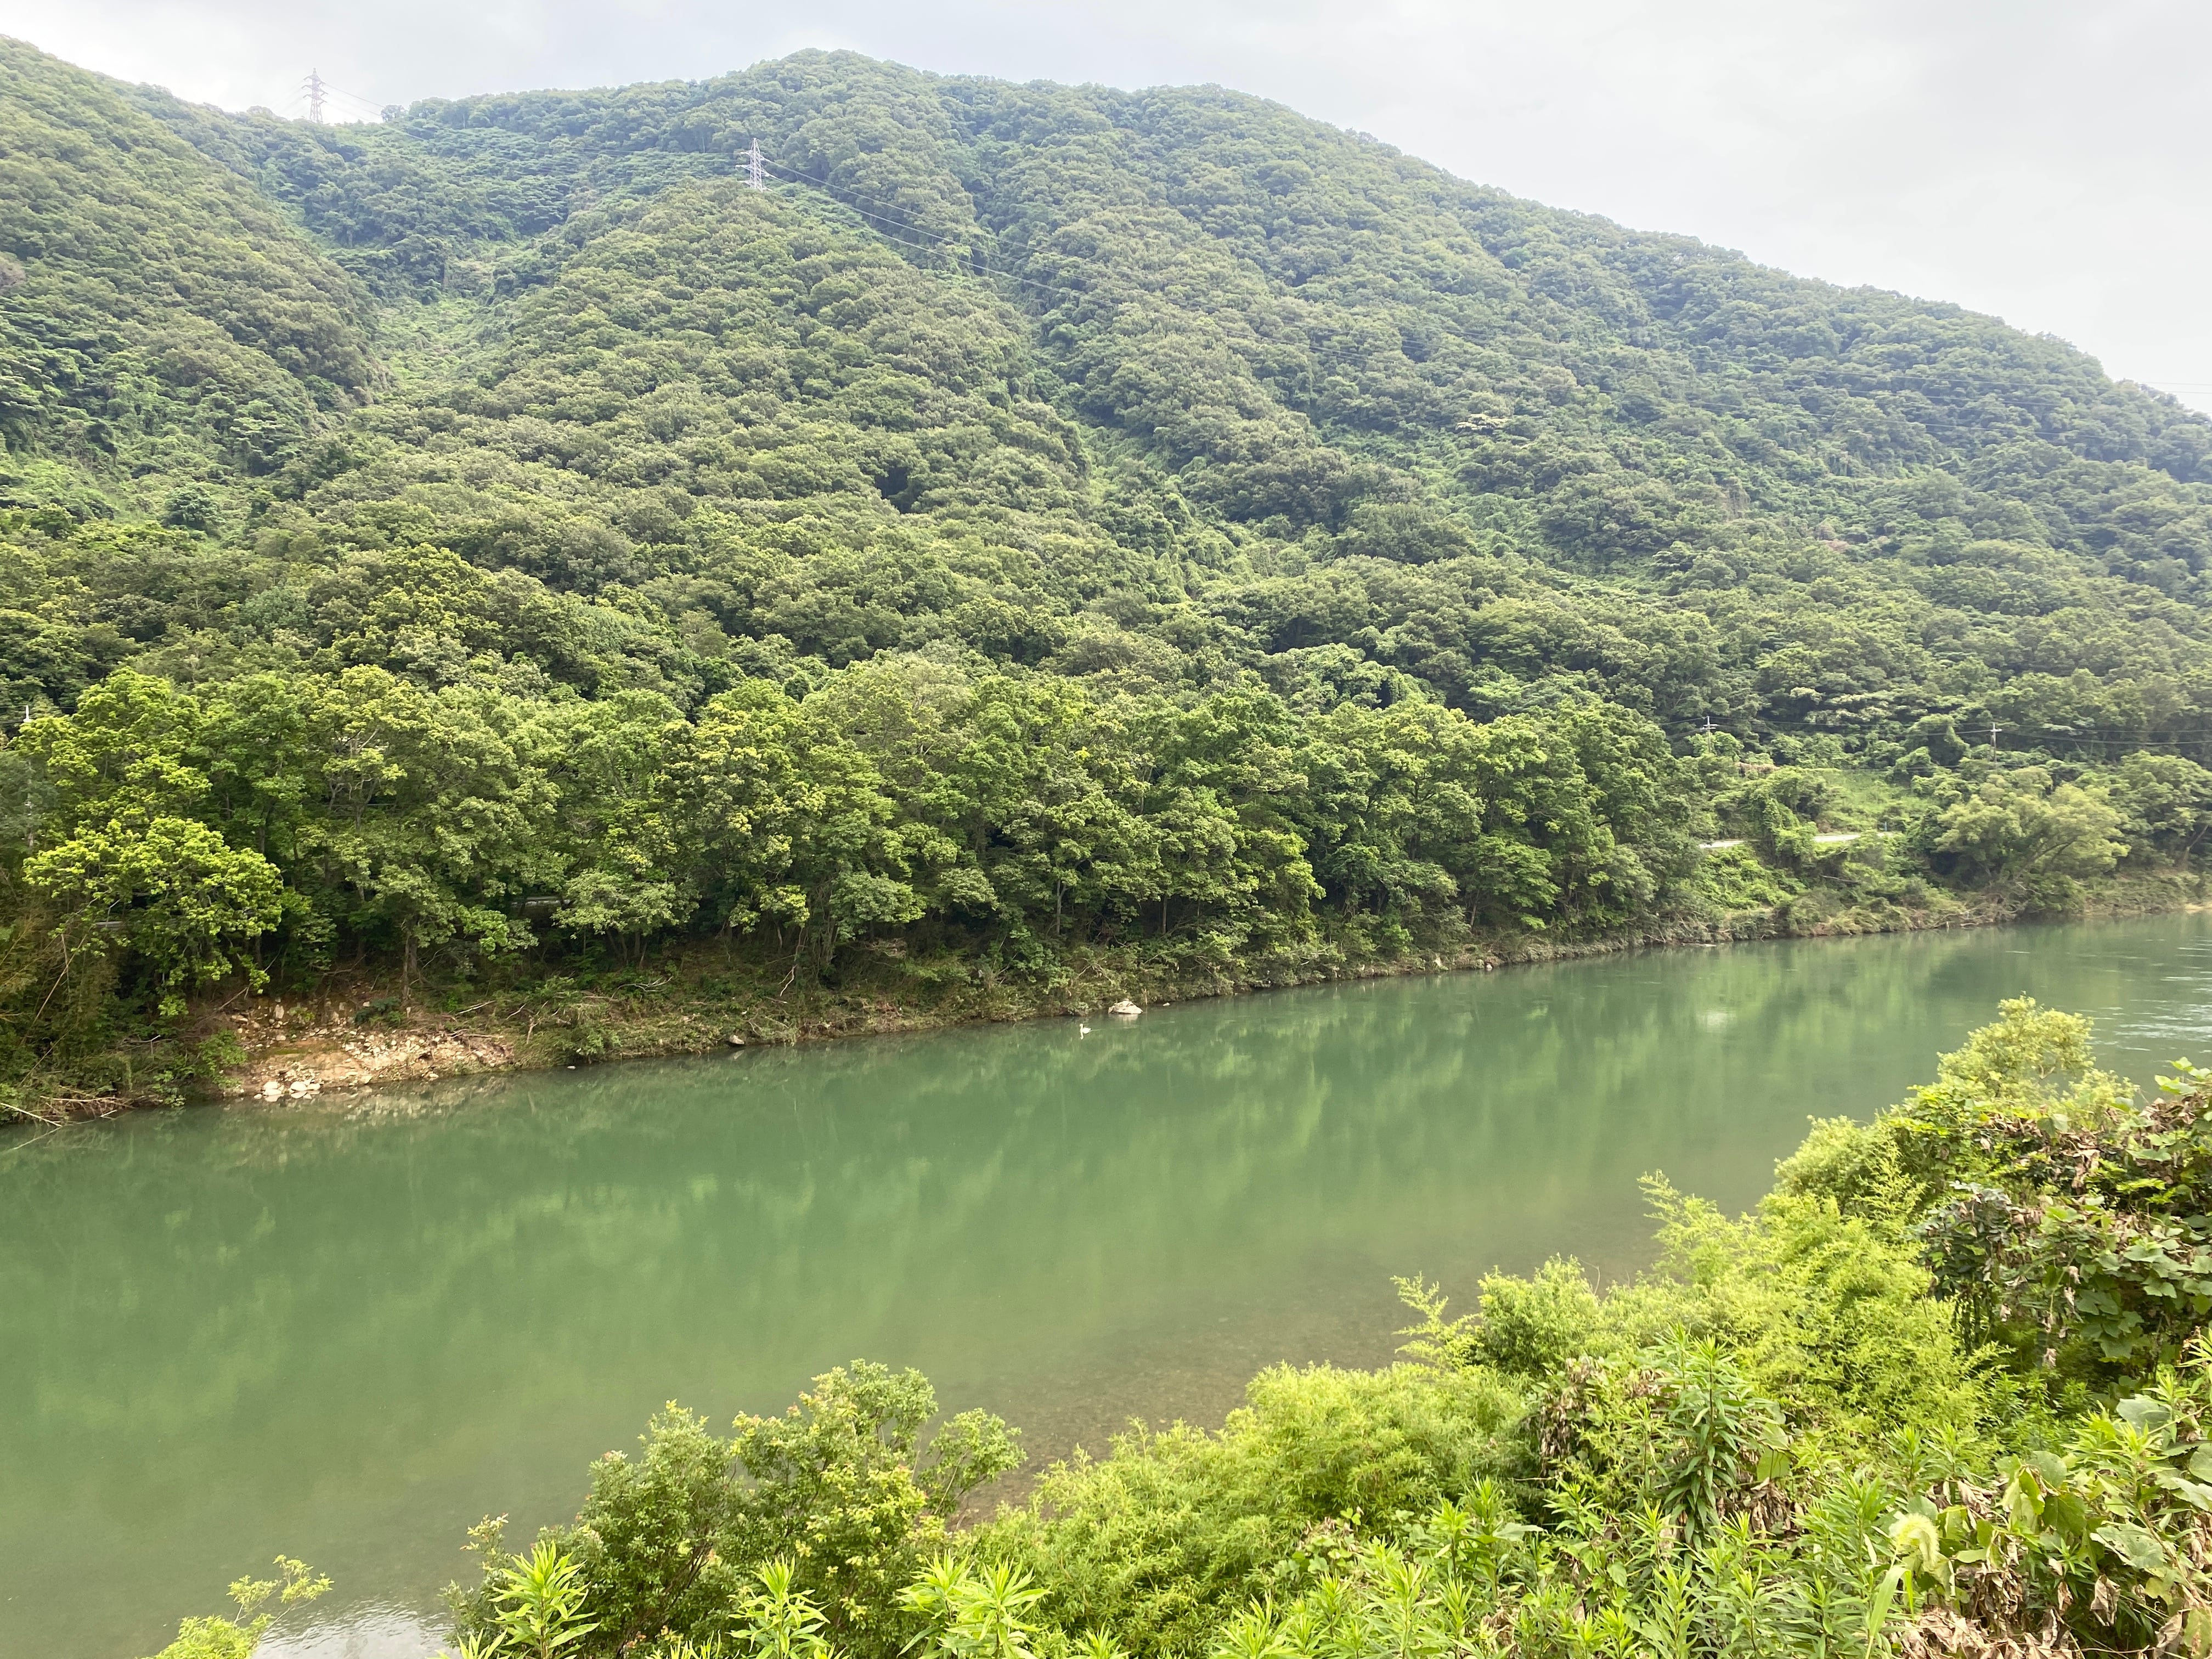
[(2045, 162)]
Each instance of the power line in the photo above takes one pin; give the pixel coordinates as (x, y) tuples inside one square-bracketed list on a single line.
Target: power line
[(352, 98), (314, 95)]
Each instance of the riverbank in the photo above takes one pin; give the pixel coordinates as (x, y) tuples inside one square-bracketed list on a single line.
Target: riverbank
[(345, 1330), (358, 1033)]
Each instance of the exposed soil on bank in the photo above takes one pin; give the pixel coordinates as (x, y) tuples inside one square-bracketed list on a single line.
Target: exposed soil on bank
[(357, 1033)]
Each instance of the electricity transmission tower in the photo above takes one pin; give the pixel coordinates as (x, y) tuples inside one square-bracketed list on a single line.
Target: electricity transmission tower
[(315, 91), (755, 174)]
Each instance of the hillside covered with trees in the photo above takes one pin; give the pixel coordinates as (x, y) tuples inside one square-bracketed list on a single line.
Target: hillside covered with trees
[(1046, 533)]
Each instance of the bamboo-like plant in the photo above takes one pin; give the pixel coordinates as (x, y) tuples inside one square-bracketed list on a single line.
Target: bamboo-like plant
[(973, 1613), (540, 1604), (776, 1620)]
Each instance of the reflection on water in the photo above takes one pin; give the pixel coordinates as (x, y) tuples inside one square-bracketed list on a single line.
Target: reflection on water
[(358, 1630), (348, 1329)]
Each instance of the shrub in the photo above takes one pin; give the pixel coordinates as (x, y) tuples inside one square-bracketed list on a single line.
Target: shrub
[(842, 1486), (1154, 1542)]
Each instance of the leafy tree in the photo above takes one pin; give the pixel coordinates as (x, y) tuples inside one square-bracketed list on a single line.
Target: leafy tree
[(2166, 803), (435, 816), (188, 903), (2019, 825), (795, 822)]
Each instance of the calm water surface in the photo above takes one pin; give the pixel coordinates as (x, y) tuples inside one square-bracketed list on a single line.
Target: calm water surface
[(348, 1330)]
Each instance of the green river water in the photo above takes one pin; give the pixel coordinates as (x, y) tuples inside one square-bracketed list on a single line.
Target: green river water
[(346, 1330)]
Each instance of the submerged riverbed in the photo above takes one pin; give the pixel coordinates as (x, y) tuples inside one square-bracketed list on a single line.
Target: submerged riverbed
[(348, 1329)]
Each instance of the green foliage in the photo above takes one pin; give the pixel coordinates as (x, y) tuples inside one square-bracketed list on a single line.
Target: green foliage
[(1047, 521), (1524, 1328), (2020, 827), (2065, 1217), (777, 1621), (844, 1483), (803, 1527), (1179, 1527), (540, 1604), (190, 898), (1716, 1436), (159, 320), (218, 1637), (2062, 1217), (975, 1613), (1735, 879), (2166, 806)]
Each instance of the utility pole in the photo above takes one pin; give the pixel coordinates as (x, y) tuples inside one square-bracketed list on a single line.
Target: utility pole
[(315, 90), (755, 174), (1994, 729)]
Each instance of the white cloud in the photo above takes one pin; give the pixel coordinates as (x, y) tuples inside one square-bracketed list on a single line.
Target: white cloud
[(2043, 161)]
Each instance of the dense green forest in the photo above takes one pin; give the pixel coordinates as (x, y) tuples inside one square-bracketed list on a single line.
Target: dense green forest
[(1948, 1390), (496, 545)]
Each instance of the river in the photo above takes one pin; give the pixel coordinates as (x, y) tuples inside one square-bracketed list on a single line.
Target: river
[(348, 1329)]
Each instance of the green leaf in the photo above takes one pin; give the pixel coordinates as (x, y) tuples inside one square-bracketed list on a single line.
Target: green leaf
[(1883, 1597), (2142, 1411), (2189, 1492), (2137, 1547), (2065, 1513)]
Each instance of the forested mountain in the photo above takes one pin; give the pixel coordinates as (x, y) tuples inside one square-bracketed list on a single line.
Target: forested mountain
[(1041, 515)]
